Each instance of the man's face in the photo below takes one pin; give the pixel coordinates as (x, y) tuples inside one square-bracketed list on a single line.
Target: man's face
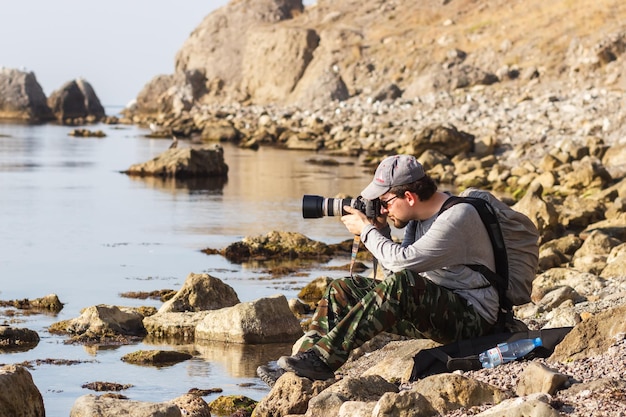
[(395, 208)]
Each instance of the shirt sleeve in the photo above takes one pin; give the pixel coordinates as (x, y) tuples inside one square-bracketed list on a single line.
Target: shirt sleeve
[(456, 237)]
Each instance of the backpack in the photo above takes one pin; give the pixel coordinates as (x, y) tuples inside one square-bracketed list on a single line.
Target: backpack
[(463, 354), (514, 238)]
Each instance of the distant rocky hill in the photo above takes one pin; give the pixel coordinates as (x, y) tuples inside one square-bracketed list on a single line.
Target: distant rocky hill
[(281, 52)]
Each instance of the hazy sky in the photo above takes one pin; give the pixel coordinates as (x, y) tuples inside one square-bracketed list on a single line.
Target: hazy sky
[(116, 45)]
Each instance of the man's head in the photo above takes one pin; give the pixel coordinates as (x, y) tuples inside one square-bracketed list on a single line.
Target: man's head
[(393, 171)]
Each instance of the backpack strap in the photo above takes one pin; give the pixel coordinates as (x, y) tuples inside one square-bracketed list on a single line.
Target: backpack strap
[(500, 278)]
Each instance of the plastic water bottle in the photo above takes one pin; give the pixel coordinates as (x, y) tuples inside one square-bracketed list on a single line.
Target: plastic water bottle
[(507, 352)]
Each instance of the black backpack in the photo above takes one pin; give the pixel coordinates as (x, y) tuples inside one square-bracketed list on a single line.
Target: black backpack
[(463, 354)]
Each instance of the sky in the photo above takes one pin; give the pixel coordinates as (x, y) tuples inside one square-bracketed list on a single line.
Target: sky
[(116, 45)]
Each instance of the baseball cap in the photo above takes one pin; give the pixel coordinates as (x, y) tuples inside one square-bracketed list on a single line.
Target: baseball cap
[(392, 171)]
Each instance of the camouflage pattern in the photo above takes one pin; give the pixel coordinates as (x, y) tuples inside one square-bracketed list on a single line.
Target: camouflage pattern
[(355, 309)]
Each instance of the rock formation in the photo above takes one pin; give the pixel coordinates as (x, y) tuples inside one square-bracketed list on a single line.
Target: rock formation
[(21, 97)]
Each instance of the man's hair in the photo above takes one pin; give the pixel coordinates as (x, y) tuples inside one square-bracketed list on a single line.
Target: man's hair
[(425, 187)]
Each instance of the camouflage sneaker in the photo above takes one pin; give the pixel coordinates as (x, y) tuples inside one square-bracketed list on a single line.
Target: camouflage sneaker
[(306, 364), (269, 375)]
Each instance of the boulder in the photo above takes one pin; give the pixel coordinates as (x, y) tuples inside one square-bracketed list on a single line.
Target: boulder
[(276, 245), (169, 93), (266, 320), (201, 292), (12, 338), (76, 102), (184, 163), (21, 97), (18, 394), (177, 326), (102, 321), (104, 406)]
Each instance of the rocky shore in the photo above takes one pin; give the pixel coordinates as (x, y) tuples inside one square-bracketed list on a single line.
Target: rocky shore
[(555, 149)]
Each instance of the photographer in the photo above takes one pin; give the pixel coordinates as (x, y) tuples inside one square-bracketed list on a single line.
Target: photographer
[(428, 292)]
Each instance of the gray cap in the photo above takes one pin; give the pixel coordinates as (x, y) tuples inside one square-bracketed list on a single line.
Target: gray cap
[(392, 171)]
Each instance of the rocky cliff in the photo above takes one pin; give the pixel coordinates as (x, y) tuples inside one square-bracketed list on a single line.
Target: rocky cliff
[(281, 52)]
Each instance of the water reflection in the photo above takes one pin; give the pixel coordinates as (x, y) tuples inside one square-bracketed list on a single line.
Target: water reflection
[(213, 185), (241, 360)]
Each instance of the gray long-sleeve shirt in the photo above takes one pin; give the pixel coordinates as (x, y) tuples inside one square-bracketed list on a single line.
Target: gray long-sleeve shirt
[(439, 248)]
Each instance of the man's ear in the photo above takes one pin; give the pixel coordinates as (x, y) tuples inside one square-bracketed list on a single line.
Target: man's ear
[(411, 198)]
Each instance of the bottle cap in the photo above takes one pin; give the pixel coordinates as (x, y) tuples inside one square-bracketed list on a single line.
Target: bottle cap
[(537, 341)]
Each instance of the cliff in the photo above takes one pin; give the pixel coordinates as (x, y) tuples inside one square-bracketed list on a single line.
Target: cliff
[(280, 52)]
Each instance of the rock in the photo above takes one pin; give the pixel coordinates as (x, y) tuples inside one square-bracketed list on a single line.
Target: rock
[(76, 102), (103, 321), (12, 338), (184, 163), (277, 245), (404, 403), (266, 320), (156, 357), (229, 404), (176, 326), (18, 394), (192, 406), (535, 406), (290, 395), (314, 290), (201, 292), (104, 406), (448, 392), (283, 53), (539, 378), (442, 138), (217, 47), (366, 388), (172, 94), (591, 337), (21, 97)]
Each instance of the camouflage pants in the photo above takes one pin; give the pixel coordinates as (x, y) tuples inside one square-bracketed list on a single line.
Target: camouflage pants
[(355, 309)]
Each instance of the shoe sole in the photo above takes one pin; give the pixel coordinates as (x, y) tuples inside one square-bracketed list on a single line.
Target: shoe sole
[(284, 362)]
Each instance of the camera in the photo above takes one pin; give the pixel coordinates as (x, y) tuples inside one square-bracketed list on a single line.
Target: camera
[(315, 206)]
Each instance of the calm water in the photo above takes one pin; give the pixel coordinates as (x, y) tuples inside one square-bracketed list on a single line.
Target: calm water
[(73, 225)]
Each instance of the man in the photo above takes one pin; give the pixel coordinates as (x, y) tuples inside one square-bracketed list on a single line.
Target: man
[(428, 292)]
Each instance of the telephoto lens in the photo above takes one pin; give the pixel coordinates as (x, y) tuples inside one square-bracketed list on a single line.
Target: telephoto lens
[(315, 206)]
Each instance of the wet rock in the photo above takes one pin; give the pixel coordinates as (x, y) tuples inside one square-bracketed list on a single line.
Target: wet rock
[(230, 404), (266, 320), (192, 406), (156, 357), (276, 245), (184, 163), (18, 394), (12, 338), (103, 406), (201, 292), (101, 322)]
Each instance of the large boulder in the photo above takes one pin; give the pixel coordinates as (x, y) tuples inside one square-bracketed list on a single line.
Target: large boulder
[(201, 292), (76, 102), (266, 320), (21, 97), (18, 394), (184, 163)]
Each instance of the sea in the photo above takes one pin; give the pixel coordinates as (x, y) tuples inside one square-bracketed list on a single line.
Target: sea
[(73, 224)]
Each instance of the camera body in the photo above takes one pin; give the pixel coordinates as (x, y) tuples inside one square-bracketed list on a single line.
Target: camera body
[(315, 206)]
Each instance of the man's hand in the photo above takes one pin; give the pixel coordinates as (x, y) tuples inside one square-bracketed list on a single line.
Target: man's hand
[(356, 220)]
